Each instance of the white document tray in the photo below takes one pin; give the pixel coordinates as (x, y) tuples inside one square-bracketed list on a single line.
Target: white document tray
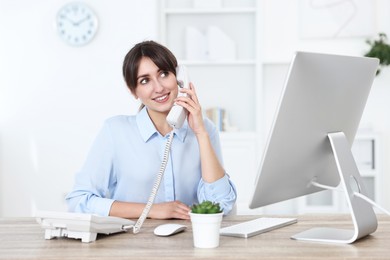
[(80, 225)]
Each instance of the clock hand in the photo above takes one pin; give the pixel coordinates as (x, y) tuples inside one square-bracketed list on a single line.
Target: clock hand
[(82, 20), (69, 20)]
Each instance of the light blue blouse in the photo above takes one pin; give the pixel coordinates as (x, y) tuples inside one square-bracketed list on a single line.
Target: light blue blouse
[(125, 158)]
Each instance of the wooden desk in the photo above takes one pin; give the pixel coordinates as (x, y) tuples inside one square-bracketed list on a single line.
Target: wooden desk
[(23, 238)]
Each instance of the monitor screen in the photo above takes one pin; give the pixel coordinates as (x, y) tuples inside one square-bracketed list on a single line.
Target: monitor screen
[(323, 94)]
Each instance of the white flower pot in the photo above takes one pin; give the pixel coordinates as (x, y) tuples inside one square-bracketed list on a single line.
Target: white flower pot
[(205, 228)]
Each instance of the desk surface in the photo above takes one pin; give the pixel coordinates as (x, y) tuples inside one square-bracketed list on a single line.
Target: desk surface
[(23, 238)]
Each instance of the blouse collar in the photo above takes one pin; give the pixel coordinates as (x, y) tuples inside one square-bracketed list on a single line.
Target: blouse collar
[(147, 128)]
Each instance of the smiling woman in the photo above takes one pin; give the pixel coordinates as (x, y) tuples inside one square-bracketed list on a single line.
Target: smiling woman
[(118, 174), (156, 88)]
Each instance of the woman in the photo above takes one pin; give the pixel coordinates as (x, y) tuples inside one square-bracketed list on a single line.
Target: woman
[(121, 167)]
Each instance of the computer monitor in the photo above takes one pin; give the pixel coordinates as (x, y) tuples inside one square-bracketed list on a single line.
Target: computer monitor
[(308, 149)]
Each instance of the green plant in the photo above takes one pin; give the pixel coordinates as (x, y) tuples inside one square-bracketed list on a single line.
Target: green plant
[(206, 207), (380, 49)]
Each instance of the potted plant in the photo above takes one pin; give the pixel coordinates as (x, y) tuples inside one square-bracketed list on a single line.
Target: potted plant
[(380, 49), (206, 219)]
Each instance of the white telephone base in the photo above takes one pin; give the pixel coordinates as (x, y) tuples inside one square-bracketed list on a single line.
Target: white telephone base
[(80, 225)]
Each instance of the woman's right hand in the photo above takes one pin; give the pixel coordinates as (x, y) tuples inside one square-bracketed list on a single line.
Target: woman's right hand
[(169, 210)]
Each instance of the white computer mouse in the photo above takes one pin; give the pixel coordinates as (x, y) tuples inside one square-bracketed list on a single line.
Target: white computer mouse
[(169, 229)]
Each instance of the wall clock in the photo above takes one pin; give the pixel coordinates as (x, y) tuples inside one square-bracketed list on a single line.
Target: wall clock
[(76, 23)]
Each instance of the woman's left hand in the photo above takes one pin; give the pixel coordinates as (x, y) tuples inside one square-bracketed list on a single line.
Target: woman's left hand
[(191, 103)]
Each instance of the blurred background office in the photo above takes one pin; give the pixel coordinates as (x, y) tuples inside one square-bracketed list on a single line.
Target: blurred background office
[(55, 94)]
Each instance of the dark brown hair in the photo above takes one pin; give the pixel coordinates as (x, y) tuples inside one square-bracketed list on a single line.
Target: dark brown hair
[(159, 54)]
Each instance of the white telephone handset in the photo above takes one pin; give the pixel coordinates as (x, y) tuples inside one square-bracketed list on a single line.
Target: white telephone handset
[(178, 114)]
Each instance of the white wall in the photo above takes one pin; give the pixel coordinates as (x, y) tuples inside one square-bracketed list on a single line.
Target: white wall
[(282, 38), (54, 97)]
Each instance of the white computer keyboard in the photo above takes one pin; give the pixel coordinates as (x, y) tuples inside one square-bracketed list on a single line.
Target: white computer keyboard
[(256, 226)]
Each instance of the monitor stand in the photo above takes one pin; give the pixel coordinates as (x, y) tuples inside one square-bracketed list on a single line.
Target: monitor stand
[(363, 215)]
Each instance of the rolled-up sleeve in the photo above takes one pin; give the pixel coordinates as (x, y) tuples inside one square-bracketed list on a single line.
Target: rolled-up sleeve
[(223, 190)]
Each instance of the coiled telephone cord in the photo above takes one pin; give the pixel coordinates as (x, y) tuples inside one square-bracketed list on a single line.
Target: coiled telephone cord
[(156, 185)]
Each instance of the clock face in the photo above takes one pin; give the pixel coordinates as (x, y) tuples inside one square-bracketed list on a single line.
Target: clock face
[(76, 24)]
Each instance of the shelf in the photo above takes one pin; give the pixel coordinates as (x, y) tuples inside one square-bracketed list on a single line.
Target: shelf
[(366, 173), (239, 135), (220, 45), (201, 11), (218, 63)]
